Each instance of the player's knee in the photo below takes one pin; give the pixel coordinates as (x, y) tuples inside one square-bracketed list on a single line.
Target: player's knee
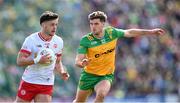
[(101, 95)]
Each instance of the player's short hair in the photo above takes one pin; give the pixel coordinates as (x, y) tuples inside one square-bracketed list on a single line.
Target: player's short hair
[(47, 16), (98, 15)]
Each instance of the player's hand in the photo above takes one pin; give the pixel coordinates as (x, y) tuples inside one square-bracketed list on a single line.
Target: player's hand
[(158, 31), (45, 59), (65, 75)]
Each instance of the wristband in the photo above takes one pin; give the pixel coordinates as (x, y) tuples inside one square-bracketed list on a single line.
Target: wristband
[(37, 59)]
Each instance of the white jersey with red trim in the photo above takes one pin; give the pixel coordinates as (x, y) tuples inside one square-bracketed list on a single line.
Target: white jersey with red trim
[(36, 73)]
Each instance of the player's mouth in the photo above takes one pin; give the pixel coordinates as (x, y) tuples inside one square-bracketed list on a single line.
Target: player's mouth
[(94, 31), (53, 32)]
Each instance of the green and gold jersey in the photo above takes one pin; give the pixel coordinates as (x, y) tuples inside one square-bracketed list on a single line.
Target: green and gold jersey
[(100, 52)]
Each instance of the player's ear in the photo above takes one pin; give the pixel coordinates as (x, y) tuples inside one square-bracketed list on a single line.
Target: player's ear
[(43, 24), (103, 23)]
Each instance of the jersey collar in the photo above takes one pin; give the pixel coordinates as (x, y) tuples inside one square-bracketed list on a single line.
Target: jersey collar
[(43, 39)]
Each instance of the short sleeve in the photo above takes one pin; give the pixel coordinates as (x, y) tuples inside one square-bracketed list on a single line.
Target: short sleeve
[(82, 49), (27, 46), (60, 46), (119, 32)]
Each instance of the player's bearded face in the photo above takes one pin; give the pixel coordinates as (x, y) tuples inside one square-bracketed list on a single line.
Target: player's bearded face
[(51, 27), (96, 26)]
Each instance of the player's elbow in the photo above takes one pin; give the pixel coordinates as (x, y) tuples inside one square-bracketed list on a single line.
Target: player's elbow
[(19, 63), (131, 33)]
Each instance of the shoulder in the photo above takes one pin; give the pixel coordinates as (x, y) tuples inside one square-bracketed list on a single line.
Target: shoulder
[(57, 38), (32, 36), (114, 32), (111, 29), (87, 37)]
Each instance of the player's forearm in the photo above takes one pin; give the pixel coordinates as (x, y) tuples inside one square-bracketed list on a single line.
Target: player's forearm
[(59, 68), (137, 32), (80, 60), (25, 61)]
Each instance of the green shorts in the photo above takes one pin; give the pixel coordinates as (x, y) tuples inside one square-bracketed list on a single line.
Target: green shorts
[(88, 81)]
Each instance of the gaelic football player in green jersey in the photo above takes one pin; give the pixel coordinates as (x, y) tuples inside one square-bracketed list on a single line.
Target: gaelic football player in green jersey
[(96, 54)]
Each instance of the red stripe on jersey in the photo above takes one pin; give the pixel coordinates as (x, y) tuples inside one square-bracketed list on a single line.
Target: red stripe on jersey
[(39, 34), (43, 39), (25, 51)]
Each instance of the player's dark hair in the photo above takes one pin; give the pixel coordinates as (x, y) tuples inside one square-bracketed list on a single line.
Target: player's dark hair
[(47, 16), (98, 15)]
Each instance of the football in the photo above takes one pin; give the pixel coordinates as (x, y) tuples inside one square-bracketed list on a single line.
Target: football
[(45, 51)]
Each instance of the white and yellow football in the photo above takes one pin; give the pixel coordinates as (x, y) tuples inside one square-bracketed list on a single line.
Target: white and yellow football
[(46, 51)]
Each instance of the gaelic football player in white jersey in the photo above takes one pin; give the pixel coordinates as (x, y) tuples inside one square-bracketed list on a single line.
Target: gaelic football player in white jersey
[(38, 78)]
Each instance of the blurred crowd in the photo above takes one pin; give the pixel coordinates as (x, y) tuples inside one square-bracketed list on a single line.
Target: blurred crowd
[(144, 65)]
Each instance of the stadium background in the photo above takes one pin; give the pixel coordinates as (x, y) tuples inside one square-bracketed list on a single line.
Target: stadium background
[(147, 68)]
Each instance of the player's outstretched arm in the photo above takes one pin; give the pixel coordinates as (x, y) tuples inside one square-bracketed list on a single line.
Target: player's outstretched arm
[(140, 32)]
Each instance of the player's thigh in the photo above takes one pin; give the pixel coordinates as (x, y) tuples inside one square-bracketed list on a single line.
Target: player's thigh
[(82, 95), (103, 87), (43, 98), (19, 100)]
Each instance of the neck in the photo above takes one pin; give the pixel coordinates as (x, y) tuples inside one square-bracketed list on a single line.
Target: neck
[(99, 35), (45, 36)]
